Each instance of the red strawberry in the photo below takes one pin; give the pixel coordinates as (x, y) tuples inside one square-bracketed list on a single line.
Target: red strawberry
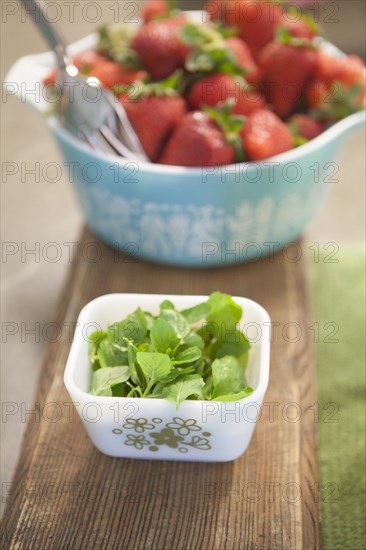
[(87, 61), (318, 94), (248, 102), (286, 70), (197, 141), (348, 70), (112, 73), (216, 88), (51, 78), (153, 119), (339, 87), (153, 9), (160, 48), (304, 126), (213, 89), (255, 20), (265, 135), (333, 101), (245, 59), (299, 26)]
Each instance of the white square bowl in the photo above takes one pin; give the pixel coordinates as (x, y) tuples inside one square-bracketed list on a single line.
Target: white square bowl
[(206, 431)]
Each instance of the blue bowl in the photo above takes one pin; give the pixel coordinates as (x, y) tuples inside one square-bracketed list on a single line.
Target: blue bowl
[(207, 216)]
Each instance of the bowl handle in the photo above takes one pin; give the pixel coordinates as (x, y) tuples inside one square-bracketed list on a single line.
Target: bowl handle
[(350, 124), (25, 81)]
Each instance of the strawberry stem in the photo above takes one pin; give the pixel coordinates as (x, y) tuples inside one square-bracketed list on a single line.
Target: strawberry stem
[(210, 51), (283, 35), (229, 124)]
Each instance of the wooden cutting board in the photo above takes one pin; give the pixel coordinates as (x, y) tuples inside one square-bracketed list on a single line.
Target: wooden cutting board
[(67, 495)]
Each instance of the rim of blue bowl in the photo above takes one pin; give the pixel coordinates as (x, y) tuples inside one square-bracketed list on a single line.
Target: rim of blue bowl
[(293, 155)]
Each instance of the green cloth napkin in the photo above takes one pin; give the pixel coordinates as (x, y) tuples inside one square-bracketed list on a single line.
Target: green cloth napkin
[(338, 297)]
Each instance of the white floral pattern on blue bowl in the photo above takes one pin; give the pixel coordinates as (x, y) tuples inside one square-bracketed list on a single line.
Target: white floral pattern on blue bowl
[(154, 428)]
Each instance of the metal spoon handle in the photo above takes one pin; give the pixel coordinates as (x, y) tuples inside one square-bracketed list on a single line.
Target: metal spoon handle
[(35, 10)]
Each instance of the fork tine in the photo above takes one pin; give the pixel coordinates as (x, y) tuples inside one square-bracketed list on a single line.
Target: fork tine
[(93, 138), (117, 145), (133, 142)]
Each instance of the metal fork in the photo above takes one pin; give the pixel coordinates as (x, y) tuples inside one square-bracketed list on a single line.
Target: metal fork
[(90, 111)]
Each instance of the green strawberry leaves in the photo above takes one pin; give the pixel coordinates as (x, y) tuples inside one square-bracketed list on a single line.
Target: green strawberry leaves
[(340, 103), (198, 353), (115, 41), (283, 35), (229, 124), (173, 85), (209, 50)]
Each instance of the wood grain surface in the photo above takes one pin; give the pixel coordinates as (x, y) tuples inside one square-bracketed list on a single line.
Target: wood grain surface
[(67, 495)]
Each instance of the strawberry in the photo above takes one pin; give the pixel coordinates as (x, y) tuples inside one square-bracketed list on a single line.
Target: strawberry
[(299, 26), (318, 94), (51, 78), (213, 89), (216, 88), (87, 61), (351, 71), (347, 70), (111, 74), (287, 69), (159, 46), (304, 128), (154, 9), (333, 101), (248, 102), (255, 20), (198, 141), (153, 119), (244, 59), (154, 109), (339, 88), (265, 135)]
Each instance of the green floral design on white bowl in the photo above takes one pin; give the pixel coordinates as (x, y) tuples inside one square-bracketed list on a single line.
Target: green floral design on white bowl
[(180, 434)]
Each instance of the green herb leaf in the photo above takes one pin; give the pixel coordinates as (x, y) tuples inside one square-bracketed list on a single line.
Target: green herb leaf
[(228, 376), (234, 396), (166, 304), (232, 342), (93, 345), (111, 354), (182, 388), (189, 355), (134, 327), (163, 335), (104, 380), (208, 388), (173, 375), (155, 367), (194, 340), (131, 355), (196, 313), (177, 321), (224, 311)]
